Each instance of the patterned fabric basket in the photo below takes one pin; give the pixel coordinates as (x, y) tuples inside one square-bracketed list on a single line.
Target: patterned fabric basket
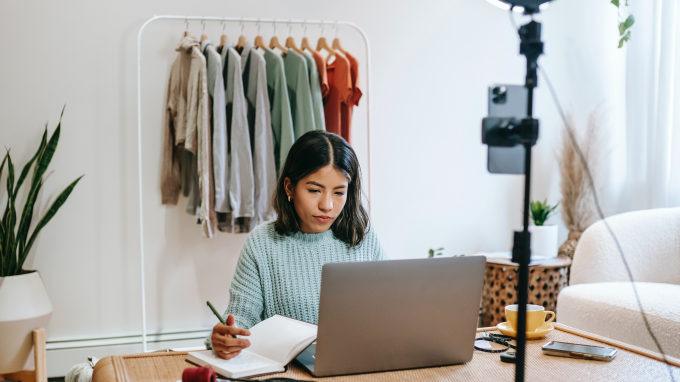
[(500, 288)]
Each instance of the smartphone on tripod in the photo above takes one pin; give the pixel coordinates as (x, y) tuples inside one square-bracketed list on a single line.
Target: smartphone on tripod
[(507, 101)]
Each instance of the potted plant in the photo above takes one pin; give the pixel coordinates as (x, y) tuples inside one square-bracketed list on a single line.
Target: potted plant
[(543, 237), (438, 252), (24, 304)]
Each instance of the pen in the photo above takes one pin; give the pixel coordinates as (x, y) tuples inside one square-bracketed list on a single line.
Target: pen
[(217, 314)]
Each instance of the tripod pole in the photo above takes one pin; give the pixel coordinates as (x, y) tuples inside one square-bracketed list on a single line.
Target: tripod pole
[(532, 47), (523, 282)]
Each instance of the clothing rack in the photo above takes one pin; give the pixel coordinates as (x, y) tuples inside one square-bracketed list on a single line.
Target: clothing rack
[(239, 20)]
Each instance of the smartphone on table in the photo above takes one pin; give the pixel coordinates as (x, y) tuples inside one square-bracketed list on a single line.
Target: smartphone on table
[(564, 349)]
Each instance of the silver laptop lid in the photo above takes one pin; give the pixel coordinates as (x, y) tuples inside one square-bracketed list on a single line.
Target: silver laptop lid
[(399, 314)]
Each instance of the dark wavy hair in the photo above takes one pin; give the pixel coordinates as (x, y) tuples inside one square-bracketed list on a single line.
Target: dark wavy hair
[(311, 152)]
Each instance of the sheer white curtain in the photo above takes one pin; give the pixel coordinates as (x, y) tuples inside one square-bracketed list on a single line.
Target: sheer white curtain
[(653, 106)]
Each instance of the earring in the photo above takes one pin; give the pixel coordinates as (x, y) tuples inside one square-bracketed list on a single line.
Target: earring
[(289, 199)]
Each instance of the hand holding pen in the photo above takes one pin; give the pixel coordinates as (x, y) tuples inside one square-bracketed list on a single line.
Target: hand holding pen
[(223, 338)]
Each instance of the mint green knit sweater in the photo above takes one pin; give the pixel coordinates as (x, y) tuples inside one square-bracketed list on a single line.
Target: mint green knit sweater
[(278, 274)]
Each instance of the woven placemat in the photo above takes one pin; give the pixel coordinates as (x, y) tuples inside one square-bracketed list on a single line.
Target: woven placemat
[(627, 366)]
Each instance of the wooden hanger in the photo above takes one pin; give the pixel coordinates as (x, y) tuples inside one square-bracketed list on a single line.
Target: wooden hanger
[(259, 41), (305, 42), (274, 43), (337, 46), (241, 39), (203, 35), (186, 31), (223, 38), (323, 44), (336, 41), (290, 41)]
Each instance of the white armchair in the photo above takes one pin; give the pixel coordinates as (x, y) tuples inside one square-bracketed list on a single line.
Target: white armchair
[(600, 298)]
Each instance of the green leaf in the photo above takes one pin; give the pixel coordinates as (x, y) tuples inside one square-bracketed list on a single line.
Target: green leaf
[(58, 202), (623, 39), (36, 184), (626, 24), (2, 226), (629, 21), (541, 211), (27, 167), (9, 221), (45, 157), (2, 166), (616, 2)]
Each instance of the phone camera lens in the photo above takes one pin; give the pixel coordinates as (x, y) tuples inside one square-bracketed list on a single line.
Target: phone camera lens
[(500, 95)]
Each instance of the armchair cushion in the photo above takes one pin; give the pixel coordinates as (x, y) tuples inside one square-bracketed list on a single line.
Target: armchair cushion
[(610, 309), (650, 240)]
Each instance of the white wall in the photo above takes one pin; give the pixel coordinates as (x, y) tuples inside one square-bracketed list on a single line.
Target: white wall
[(432, 61)]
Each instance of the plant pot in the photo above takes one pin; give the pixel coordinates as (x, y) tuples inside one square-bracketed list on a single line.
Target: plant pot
[(543, 241), (24, 307)]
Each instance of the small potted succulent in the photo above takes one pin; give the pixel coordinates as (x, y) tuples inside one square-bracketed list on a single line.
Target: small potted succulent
[(543, 237), (24, 303)]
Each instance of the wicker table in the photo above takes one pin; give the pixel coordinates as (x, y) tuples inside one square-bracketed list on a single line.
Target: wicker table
[(631, 364), (500, 286)]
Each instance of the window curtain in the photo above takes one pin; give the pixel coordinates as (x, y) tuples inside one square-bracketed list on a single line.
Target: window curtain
[(653, 106)]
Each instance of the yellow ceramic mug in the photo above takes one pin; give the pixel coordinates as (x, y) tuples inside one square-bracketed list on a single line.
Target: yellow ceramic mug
[(535, 316)]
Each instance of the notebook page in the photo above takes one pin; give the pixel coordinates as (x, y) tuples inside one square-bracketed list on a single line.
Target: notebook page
[(246, 363), (276, 337)]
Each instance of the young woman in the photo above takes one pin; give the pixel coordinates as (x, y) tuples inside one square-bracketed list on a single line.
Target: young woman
[(320, 219)]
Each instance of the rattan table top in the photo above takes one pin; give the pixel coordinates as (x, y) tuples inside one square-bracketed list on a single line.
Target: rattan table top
[(631, 364)]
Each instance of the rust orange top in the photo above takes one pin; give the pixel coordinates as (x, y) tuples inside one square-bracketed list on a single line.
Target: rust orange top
[(340, 91), (323, 76), (347, 109)]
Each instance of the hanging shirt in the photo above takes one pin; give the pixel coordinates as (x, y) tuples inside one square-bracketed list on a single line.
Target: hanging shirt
[(321, 69), (189, 103), (299, 92), (235, 142), (315, 87), (282, 121), (341, 91), (175, 123), (347, 109), (218, 121), (259, 121)]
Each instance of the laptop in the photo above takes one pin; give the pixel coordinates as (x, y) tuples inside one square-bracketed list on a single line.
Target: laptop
[(392, 315)]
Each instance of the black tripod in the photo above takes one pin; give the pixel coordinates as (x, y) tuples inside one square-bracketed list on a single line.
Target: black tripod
[(532, 47), (509, 132)]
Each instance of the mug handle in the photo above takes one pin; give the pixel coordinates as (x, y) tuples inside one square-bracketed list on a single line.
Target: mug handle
[(551, 318)]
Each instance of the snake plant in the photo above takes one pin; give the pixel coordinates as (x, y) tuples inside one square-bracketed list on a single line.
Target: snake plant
[(15, 241)]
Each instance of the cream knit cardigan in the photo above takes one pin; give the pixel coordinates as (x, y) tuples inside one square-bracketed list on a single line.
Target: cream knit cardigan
[(187, 127)]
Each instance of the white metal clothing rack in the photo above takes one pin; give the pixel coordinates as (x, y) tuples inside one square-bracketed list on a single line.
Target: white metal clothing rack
[(367, 96)]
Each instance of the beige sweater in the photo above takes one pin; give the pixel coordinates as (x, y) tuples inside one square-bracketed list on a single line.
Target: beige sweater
[(187, 127)]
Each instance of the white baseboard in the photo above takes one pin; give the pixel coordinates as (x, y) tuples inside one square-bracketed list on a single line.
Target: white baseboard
[(64, 354)]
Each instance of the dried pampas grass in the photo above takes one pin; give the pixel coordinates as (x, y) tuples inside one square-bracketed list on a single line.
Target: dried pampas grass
[(578, 208)]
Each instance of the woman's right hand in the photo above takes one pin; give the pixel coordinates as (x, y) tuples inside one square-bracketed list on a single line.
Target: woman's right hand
[(223, 341)]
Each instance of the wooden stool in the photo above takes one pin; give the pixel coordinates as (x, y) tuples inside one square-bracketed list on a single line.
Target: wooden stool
[(40, 357)]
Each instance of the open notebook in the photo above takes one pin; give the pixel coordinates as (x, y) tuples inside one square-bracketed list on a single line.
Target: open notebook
[(273, 343)]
